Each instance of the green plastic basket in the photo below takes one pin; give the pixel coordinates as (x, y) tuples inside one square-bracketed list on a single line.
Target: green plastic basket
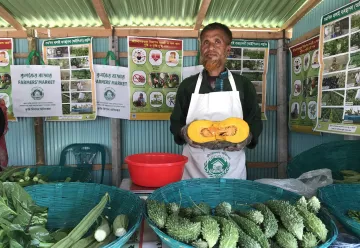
[(338, 198), (68, 203), (236, 192), (56, 173), (336, 156)]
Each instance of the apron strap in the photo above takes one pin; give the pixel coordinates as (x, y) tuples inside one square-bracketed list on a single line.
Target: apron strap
[(232, 81), (200, 77)]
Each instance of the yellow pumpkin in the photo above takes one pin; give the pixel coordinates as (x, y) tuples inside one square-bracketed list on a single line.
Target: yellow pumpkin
[(234, 130)]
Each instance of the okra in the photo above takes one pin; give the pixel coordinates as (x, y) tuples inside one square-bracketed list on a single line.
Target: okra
[(8, 172), (68, 179), (79, 231), (85, 242)]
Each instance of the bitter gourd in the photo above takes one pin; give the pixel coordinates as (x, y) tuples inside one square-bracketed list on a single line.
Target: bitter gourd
[(182, 229), (199, 243), (210, 229), (245, 241), (201, 209), (270, 223), (186, 212), (314, 204), (251, 229), (172, 208), (309, 240), (285, 239), (223, 209), (289, 217), (157, 212), (313, 223), (253, 215), (229, 233)]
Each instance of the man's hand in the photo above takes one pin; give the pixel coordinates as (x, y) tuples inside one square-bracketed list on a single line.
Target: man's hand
[(239, 146), (187, 139)]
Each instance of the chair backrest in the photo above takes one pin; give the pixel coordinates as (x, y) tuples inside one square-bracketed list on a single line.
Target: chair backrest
[(336, 156), (85, 155)]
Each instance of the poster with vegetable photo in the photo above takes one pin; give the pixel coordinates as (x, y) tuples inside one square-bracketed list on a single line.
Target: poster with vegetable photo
[(339, 80), (250, 59), (304, 86), (6, 59), (155, 66), (74, 56)]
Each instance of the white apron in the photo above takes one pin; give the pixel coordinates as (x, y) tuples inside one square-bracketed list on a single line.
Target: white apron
[(215, 106)]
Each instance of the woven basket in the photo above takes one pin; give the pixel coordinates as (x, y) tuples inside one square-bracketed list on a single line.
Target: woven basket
[(68, 203), (338, 198), (236, 192), (56, 173), (336, 156)]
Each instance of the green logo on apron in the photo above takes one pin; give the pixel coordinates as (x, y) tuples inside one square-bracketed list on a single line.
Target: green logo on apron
[(217, 165)]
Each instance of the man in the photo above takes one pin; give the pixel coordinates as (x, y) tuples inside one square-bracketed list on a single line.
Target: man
[(215, 94)]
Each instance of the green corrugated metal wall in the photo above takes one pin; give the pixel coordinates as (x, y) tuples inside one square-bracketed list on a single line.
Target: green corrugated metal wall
[(299, 142)]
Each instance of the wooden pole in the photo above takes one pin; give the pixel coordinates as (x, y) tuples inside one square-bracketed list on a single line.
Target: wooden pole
[(38, 121), (115, 127), (282, 110)]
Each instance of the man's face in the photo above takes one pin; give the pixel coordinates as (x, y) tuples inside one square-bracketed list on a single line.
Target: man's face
[(214, 49)]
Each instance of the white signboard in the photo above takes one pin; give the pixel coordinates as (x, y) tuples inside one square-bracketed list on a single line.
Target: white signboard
[(112, 91), (36, 90)]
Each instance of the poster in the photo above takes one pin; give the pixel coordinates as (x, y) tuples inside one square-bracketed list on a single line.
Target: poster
[(304, 86), (339, 87), (36, 90), (250, 59), (74, 55), (155, 66), (112, 91), (6, 60)]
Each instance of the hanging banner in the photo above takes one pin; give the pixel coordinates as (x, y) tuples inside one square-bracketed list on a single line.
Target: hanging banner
[(339, 84), (112, 91), (250, 59), (155, 66), (36, 90), (74, 55), (6, 60), (304, 86)]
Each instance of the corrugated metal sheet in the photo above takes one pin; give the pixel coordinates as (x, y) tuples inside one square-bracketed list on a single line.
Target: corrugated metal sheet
[(152, 12), (54, 13), (252, 13), (313, 18), (299, 142)]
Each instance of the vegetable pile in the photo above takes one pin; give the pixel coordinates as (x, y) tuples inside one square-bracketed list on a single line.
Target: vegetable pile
[(24, 177), (275, 223), (23, 223), (349, 176)]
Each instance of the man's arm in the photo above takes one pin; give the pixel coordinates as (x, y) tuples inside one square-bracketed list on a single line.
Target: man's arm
[(252, 113), (178, 115)]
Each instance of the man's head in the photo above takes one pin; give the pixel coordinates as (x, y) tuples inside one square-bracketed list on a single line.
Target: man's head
[(215, 40)]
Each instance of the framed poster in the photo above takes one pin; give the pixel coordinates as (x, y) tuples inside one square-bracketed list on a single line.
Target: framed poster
[(6, 60), (339, 84), (155, 72), (304, 86), (74, 55), (250, 59)]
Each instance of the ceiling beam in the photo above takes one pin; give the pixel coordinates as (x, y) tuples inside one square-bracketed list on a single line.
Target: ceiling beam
[(101, 12), (201, 14), (10, 19), (139, 31), (305, 8), (312, 33)]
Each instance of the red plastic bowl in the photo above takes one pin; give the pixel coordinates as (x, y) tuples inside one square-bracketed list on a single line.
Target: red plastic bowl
[(155, 169)]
